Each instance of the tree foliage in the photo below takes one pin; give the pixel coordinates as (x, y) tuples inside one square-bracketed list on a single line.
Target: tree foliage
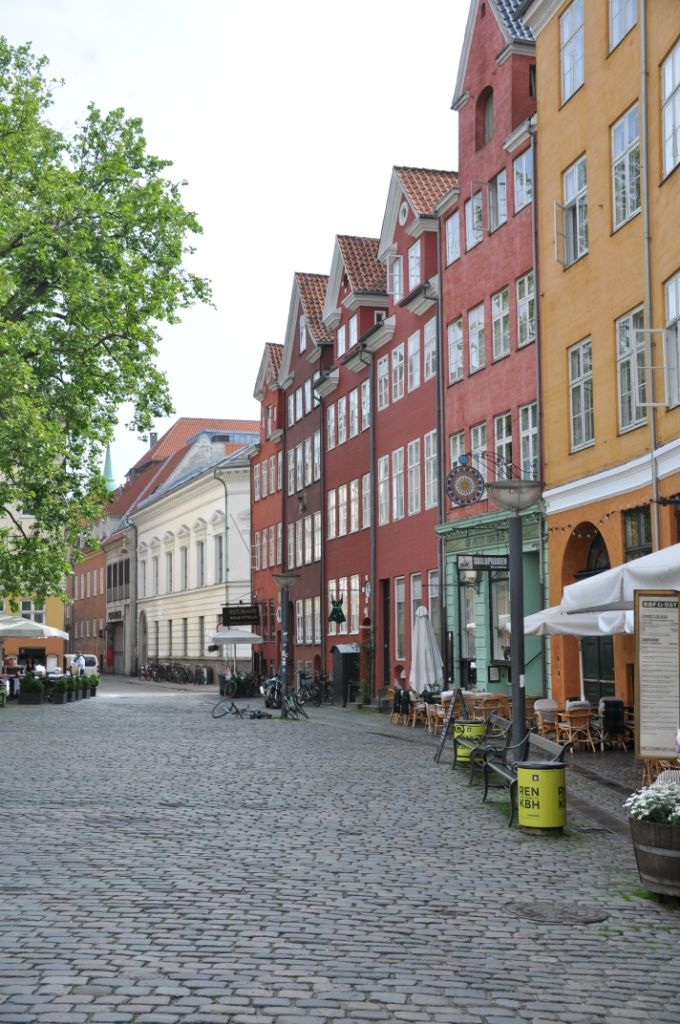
[(93, 239)]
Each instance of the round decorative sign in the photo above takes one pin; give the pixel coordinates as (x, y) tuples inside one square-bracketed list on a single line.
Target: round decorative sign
[(465, 485)]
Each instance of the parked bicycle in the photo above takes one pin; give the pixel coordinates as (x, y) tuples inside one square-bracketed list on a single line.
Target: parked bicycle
[(242, 683), (309, 689), (272, 692)]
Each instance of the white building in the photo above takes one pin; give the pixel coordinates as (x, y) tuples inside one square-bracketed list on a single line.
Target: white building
[(193, 555)]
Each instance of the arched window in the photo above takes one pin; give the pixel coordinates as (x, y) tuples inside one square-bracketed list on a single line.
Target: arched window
[(484, 131)]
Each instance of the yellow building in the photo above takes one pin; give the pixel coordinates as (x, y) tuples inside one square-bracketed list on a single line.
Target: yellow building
[(608, 196), (29, 652)]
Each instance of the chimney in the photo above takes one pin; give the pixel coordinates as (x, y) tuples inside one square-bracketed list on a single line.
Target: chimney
[(153, 439)]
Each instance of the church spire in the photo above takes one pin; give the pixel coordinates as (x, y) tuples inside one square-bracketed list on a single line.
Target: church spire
[(108, 471)]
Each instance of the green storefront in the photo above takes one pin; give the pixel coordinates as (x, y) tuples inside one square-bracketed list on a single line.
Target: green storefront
[(477, 600)]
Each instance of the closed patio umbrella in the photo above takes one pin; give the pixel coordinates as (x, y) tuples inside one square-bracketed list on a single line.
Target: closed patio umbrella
[(427, 667)]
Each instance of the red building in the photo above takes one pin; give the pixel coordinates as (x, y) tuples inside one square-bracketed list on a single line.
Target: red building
[(356, 304), (266, 489), (303, 360), (406, 460), (488, 333)]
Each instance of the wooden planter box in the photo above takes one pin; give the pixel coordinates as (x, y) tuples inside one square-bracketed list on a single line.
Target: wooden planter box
[(657, 851)]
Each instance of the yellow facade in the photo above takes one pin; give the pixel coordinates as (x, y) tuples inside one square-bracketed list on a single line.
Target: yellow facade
[(591, 486), (53, 616)]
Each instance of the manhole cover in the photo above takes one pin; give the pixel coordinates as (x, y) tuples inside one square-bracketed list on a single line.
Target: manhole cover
[(547, 912)]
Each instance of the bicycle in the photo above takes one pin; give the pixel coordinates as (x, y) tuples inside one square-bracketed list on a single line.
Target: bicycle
[(293, 706), (308, 690), (227, 707)]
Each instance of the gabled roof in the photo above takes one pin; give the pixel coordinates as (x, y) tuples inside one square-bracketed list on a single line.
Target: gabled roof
[(422, 188), (307, 297), (312, 290), (363, 268), (268, 374), (358, 258), (512, 29)]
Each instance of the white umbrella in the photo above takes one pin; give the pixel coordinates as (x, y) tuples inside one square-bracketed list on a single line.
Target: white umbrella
[(235, 636), (556, 622), (615, 588), (427, 667), (13, 626)]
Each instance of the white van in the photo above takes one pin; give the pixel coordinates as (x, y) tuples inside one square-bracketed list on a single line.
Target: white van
[(91, 663)]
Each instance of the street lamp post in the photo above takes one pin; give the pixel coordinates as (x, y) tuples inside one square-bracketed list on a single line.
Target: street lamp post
[(516, 495), (284, 580)]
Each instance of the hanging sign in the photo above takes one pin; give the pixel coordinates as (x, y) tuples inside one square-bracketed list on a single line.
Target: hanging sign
[(240, 615), (465, 485)]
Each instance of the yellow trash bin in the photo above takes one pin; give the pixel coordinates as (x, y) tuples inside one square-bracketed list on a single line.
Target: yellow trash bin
[(468, 731), (541, 794)]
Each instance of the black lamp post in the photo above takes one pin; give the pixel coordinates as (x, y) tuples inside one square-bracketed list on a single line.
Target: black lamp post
[(284, 580), (516, 495)]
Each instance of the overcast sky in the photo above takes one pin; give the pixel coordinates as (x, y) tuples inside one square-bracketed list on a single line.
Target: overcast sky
[(284, 118)]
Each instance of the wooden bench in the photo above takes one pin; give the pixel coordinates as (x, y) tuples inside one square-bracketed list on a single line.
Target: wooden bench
[(504, 763), (497, 735)]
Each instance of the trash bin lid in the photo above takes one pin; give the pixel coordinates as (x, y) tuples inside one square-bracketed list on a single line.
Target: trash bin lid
[(542, 765)]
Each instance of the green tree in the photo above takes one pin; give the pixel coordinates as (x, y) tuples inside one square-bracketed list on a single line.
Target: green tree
[(93, 239)]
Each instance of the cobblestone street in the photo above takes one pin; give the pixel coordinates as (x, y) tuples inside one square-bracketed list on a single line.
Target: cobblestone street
[(160, 866)]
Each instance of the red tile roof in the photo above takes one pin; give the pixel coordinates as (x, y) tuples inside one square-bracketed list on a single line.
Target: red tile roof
[(312, 289), (360, 257), (424, 187), (275, 353), (185, 427)]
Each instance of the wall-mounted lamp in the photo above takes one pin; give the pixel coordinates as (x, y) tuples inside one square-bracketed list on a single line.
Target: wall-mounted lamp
[(302, 502)]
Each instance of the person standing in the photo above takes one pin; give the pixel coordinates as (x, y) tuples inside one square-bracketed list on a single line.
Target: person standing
[(79, 664)]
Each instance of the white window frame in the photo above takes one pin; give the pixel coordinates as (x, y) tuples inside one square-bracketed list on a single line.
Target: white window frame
[(354, 505), (581, 418), (476, 338), (670, 109), (500, 323), (354, 412), (630, 370), (413, 373), (431, 469), (478, 447), (299, 466), (342, 419), (256, 481), (299, 405), (395, 279), (414, 265), (331, 516), (413, 450), (622, 18), (341, 341), (318, 539), (571, 228), (332, 595), (308, 461), (672, 340), (316, 456), (454, 333), (365, 501), (523, 173), (497, 199), (308, 530), (430, 349), (399, 617), (290, 545), (383, 490), (452, 237), (330, 427), (528, 440), (299, 544), (397, 484), (291, 470), (572, 50), (353, 331), (502, 435), (526, 309), (383, 382), (365, 404), (625, 148), (342, 510), (473, 220), (354, 596), (398, 373), (456, 447)]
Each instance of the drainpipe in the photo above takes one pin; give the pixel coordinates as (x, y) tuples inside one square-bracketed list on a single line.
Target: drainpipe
[(647, 262), (441, 453), (368, 362), (539, 393), (129, 525), (323, 583)]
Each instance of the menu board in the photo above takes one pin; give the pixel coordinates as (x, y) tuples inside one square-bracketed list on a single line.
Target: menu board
[(657, 673)]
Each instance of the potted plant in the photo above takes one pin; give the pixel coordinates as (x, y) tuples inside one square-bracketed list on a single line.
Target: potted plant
[(84, 682), (70, 689), (94, 683), (32, 690), (59, 686), (655, 829)]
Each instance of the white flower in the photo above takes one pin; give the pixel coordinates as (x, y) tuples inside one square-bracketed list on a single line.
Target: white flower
[(659, 803)]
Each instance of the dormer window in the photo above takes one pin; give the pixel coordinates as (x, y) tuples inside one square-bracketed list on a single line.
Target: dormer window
[(395, 279), (303, 333)]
